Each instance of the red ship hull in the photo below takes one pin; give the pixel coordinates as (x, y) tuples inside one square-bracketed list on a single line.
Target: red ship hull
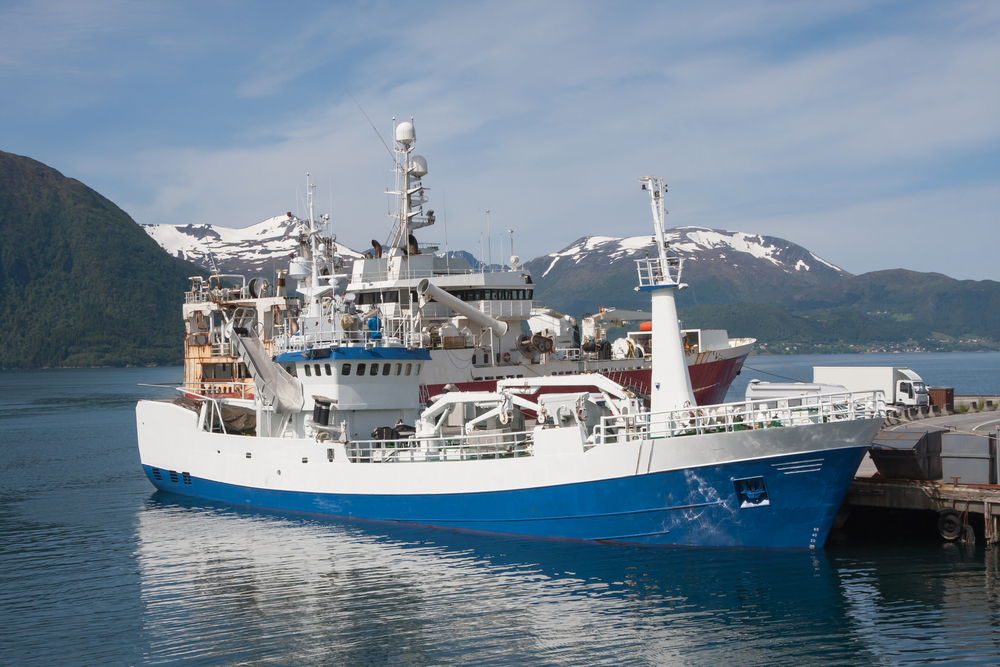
[(710, 379)]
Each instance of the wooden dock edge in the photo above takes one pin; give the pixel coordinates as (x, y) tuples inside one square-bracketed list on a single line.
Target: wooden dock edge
[(902, 494)]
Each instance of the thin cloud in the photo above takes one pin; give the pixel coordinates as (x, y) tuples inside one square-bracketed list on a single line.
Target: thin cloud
[(757, 114)]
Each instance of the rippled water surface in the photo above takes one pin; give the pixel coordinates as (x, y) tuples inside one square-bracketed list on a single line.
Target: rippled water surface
[(98, 569)]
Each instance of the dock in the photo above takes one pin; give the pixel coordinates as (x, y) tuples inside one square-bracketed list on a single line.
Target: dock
[(959, 505)]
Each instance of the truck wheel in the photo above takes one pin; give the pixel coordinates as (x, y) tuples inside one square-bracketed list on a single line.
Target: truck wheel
[(949, 524)]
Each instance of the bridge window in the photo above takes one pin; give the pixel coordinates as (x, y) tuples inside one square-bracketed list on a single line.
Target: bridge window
[(327, 369), (361, 369), (399, 367), (385, 369), (409, 367), (418, 369), (345, 369), (317, 370), (308, 372), (374, 369)]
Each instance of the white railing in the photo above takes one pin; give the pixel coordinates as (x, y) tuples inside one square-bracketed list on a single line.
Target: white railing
[(652, 272), (477, 447), (214, 390), (732, 417), (513, 308)]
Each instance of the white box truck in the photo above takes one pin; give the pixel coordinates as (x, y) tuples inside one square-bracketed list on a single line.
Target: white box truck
[(901, 386)]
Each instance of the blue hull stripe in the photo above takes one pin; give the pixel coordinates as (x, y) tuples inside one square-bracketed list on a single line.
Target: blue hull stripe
[(685, 507)]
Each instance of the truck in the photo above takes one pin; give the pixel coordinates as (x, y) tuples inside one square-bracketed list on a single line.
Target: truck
[(901, 386)]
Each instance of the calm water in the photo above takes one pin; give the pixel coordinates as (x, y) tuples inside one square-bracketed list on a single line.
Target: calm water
[(973, 373), (98, 569)]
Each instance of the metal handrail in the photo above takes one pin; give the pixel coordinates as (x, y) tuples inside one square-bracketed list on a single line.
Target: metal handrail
[(731, 417), (475, 447)]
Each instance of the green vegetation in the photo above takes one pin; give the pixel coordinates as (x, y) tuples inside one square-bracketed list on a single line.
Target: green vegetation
[(838, 331), (81, 284)]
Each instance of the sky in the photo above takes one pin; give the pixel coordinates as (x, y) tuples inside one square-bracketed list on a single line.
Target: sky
[(867, 132)]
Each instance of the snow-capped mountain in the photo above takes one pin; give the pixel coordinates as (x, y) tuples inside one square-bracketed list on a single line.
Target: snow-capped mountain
[(255, 250), (720, 267), (594, 271)]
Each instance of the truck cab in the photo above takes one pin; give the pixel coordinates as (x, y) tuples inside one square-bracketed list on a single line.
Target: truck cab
[(911, 391)]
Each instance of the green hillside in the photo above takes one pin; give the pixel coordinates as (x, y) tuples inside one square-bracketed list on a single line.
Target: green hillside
[(839, 330), (81, 284), (916, 304)]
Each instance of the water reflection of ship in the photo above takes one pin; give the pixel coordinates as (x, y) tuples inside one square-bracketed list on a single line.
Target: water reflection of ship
[(219, 580)]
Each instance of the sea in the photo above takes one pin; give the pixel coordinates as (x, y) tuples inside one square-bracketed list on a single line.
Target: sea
[(98, 568)]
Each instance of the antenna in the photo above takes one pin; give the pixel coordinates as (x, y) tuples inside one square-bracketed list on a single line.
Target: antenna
[(444, 214), (511, 231), (489, 238), (373, 126)]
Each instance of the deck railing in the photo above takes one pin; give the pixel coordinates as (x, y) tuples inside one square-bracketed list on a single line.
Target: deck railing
[(731, 417), (476, 447)]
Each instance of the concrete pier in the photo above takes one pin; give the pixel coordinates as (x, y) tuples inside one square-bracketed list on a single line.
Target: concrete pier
[(952, 499)]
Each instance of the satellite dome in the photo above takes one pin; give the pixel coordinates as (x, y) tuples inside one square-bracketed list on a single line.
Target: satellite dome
[(418, 166), (405, 133)]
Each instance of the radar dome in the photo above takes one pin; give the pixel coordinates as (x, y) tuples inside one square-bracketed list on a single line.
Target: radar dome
[(418, 166), (405, 133)]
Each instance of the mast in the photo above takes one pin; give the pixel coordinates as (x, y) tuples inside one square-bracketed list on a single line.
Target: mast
[(314, 264), (661, 276)]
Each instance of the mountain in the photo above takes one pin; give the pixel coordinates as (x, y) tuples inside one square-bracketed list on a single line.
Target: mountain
[(778, 292), (921, 304), (257, 250), (719, 266), (759, 286), (81, 284)]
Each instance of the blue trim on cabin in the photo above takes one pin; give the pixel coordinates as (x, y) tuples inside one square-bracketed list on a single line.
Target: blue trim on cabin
[(653, 288), (778, 502), (358, 354)]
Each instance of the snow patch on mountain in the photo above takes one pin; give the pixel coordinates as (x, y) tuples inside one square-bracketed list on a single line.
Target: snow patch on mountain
[(259, 248), (691, 243), (820, 259)]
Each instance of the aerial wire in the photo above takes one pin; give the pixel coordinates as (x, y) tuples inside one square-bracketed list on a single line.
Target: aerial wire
[(373, 127)]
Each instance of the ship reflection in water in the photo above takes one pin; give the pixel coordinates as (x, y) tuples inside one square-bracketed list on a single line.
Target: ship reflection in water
[(224, 585)]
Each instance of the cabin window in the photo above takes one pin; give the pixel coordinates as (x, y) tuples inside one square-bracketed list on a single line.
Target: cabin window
[(530, 293), (418, 369), (399, 367), (317, 370), (290, 369), (326, 367), (386, 368), (409, 367), (308, 372), (361, 369), (374, 369), (473, 360), (345, 369)]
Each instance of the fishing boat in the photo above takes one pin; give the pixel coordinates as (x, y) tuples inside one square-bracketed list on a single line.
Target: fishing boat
[(487, 328), (336, 426)]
